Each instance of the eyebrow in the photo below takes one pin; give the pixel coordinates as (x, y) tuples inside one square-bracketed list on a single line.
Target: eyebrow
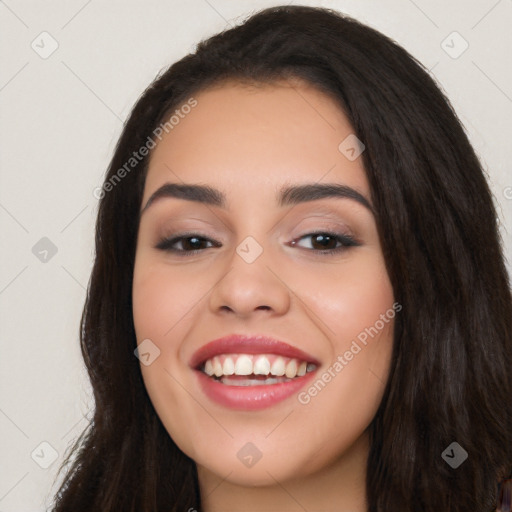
[(287, 195)]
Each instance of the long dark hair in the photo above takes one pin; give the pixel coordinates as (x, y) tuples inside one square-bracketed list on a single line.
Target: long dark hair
[(451, 373)]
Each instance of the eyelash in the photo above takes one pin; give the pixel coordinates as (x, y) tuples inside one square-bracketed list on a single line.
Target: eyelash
[(347, 241)]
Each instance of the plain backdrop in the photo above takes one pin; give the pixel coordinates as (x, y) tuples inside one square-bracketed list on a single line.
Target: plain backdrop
[(71, 71)]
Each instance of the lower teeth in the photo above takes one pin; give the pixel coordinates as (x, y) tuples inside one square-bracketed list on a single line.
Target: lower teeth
[(252, 382)]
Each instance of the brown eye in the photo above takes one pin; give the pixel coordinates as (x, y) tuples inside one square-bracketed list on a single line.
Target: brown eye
[(327, 243), (190, 243)]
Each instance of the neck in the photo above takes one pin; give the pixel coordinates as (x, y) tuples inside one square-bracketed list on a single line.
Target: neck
[(338, 487)]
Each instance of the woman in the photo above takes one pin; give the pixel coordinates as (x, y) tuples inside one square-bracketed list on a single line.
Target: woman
[(297, 242)]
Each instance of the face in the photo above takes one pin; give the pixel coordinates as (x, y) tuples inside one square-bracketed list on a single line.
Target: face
[(262, 303)]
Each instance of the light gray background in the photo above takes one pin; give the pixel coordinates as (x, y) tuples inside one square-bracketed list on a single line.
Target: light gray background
[(60, 119)]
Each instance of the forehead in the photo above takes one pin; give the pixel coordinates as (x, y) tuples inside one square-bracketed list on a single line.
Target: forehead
[(257, 135)]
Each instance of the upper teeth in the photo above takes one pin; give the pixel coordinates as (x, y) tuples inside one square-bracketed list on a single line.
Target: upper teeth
[(257, 364)]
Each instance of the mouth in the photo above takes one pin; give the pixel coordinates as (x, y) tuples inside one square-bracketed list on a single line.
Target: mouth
[(250, 373), (254, 369)]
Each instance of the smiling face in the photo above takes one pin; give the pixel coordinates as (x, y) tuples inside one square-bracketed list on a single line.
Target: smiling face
[(257, 257)]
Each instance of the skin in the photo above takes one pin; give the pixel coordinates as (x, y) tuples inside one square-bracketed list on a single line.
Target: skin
[(248, 142)]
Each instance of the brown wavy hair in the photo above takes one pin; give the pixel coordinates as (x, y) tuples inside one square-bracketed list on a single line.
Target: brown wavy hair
[(451, 372)]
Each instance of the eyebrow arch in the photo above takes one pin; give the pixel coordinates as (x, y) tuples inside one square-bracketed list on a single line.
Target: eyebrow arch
[(296, 194), (288, 195)]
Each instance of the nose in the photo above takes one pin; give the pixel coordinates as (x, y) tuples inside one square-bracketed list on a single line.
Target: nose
[(250, 287)]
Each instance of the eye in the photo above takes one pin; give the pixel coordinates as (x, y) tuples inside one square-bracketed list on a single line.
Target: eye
[(327, 243), (323, 243), (190, 243)]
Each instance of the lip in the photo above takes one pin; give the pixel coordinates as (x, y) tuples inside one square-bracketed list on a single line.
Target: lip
[(245, 344), (249, 398)]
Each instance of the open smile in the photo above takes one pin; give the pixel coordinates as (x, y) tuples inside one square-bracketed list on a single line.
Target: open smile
[(251, 373)]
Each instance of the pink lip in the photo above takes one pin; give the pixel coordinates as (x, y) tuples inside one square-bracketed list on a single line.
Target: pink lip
[(243, 344), (249, 397)]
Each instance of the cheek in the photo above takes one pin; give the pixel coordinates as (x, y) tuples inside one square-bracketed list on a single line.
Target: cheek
[(162, 305), (161, 299), (357, 315), (350, 298), (163, 312)]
